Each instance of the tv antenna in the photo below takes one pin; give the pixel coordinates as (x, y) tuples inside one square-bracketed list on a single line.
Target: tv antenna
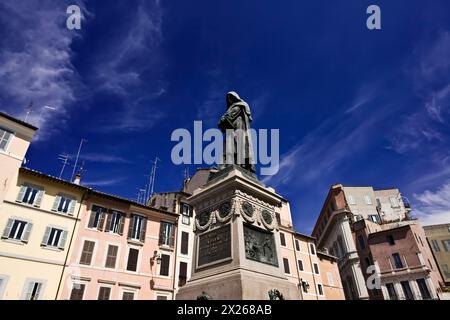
[(151, 183), (65, 159), (76, 160)]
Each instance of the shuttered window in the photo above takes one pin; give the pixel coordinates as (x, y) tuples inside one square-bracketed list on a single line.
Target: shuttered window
[(300, 265), (316, 268), (86, 254), (182, 274), (97, 218), (33, 290), (54, 237), (165, 262), (297, 245), (31, 195), (64, 204), (111, 256), (282, 239), (128, 296), (166, 234), (17, 230), (184, 242), (286, 265), (5, 137), (137, 228), (133, 255), (104, 293), (115, 222), (77, 291)]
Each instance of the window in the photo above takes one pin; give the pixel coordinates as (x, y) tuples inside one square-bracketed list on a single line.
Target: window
[(64, 204), (182, 277), (286, 265), (164, 267), (5, 137), (87, 252), (30, 195), (435, 245), (137, 229), (115, 222), (186, 213), (161, 297), (390, 240), (374, 218), (133, 256), (320, 289), (278, 217), (425, 293), (407, 290), (17, 230), (394, 202), (316, 268), (305, 286), (104, 293), (367, 200), (397, 260), (111, 256), (166, 234), (3, 281), (312, 248), (446, 244), (282, 239), (54, 237), (391, 291), (330, 279), (362, 243), (128, 295), (97, 218), (77, 291), (351, 199), (297, 245), (300, 265), (184, 243), (33, 290)]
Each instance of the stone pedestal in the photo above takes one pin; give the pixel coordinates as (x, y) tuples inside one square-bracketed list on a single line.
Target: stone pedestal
[(236, 247)]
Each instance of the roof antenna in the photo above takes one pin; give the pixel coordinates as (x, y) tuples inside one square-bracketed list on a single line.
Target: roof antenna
[(64, 158), (29, 109), (76, 160), (151, 183)]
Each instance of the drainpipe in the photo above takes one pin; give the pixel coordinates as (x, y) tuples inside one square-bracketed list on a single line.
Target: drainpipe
[(175, 259), (83, 197), (296, 266)]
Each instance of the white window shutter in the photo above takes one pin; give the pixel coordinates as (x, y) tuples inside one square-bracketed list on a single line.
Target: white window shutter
[(73, 202), (27, 232), (29, 290), (37, 201), (56, 203), (62, 240), (38, 291), (46, 235), (8, 228), (21, 193)]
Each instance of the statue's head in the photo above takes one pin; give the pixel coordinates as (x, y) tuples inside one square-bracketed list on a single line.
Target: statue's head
[(232, 97)]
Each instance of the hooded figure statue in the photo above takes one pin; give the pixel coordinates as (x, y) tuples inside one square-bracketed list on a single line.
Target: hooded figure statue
[(235, 123)]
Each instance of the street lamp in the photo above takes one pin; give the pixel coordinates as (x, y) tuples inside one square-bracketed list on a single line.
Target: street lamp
[(157, 257)]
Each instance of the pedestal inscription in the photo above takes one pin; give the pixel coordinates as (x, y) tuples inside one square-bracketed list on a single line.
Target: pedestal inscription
[(214, 246), (260, 245)]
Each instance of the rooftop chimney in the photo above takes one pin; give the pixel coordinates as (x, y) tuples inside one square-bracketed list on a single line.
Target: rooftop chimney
[(77, 179)]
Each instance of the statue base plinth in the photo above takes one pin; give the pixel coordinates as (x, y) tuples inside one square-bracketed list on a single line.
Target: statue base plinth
[(236, 246)]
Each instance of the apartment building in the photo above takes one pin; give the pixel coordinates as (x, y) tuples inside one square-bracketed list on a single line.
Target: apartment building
[(438, 238), (176, 202), (124, 251), (359, 225)]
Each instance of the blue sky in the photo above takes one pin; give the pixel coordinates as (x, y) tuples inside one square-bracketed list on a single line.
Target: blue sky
[(353, 106)]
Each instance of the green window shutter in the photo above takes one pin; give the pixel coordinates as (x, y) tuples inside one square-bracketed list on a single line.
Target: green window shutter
[(72, 205), (130, 227), (121, 224), (62, 240), (21, 193), (108, 220), (26, 235), (92, 217), (38, 200), (46, 236), (143, 230), (8, 228), (102, 220), (56, 203)]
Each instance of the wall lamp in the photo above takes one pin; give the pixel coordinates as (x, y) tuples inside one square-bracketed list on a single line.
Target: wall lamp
[(156, 257)]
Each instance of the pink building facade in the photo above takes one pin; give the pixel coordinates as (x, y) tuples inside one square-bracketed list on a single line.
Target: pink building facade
[(122, 251)]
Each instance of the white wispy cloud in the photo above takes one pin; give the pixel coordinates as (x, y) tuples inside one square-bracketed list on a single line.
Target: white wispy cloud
[(433, 207), (104, 158), (121, 67), (35, 61), (102, 182)]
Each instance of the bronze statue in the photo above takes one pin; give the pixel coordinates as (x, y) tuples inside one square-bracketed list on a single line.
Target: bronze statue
[(235, 123)]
